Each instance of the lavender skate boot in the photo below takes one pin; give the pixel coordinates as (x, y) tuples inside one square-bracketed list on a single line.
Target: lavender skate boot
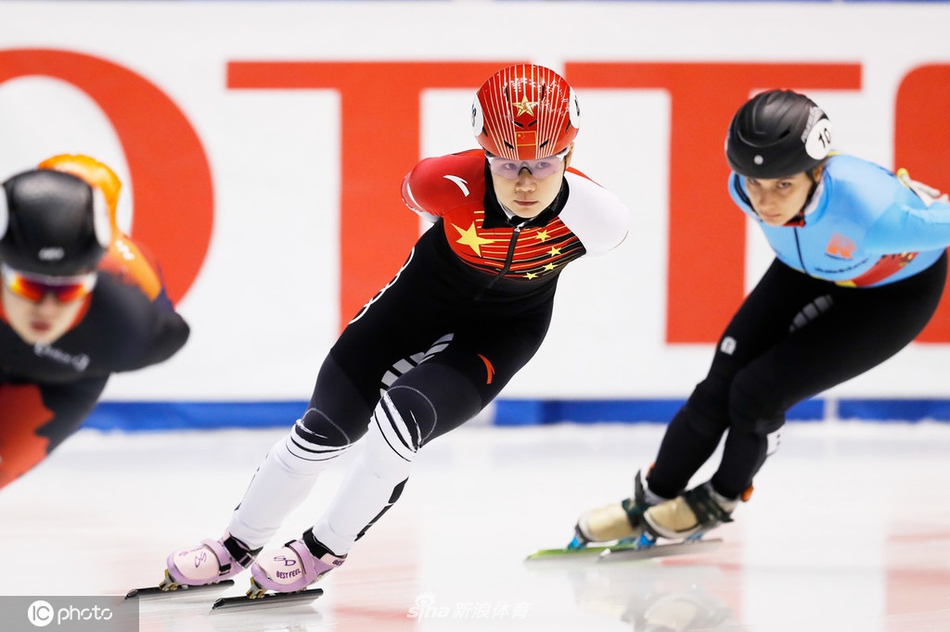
[(293, 567), (210, 562)]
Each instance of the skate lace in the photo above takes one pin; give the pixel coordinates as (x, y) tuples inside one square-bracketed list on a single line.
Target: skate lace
[(708, 512), (239, 552), (636, 506)]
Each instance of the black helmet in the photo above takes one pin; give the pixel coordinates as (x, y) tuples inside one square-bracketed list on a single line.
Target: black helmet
[(52, 223), (777, 134)]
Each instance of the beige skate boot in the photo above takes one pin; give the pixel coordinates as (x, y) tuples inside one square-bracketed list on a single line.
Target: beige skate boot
[(690, 514), (617, 521)]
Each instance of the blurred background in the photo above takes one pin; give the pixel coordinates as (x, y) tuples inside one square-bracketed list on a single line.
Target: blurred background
[(262, 146)]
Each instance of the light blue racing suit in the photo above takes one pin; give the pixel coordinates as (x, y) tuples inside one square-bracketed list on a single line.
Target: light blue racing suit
[(858, 274)]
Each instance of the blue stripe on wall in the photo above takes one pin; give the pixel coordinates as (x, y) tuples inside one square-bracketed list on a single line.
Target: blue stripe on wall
[(895, 409), (532, 412), (161, 416), (150, 416)]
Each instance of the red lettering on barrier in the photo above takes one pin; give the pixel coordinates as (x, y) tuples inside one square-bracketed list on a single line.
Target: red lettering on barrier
[(923, 148), (705, 227), (380, 131), (173, 193)]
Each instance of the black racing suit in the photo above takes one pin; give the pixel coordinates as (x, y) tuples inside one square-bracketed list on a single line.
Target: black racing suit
[(47, 391)]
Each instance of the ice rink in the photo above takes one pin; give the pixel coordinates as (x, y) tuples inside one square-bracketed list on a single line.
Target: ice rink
[(848, 530)]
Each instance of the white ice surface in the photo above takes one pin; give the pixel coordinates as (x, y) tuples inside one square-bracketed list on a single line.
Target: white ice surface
[(848, 529)]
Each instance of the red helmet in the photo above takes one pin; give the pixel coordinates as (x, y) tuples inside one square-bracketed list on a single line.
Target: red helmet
[(525, 112)]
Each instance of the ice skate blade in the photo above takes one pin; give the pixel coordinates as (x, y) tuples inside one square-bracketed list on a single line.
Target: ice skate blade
[(620, 552), (245, 601), (687, 547), (176, 589), (588, 552)]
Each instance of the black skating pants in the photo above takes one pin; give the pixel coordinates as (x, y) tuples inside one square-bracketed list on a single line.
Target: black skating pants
[(794, 337)]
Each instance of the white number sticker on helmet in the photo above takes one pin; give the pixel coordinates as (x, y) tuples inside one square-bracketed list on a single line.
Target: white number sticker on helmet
[(818, 141), (478, 117), (101, 223), (4, 214), (575, 110)]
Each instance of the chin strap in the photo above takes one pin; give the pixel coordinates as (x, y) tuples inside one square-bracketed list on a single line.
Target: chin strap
[(799, 219)]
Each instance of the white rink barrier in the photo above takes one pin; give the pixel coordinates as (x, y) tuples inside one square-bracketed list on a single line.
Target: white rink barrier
[(262, 145)]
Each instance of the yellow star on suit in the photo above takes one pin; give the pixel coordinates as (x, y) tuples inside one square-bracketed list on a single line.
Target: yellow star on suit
[(469, 237)]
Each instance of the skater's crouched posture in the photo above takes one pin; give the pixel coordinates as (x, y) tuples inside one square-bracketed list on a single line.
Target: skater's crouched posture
[(468, 309), (80, 301), (860, 267)]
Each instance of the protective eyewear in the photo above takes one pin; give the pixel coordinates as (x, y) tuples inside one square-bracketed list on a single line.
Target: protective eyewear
[(34, 287), (540, 168)]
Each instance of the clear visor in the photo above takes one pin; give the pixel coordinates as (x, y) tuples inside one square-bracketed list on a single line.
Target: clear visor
[(540, 168)]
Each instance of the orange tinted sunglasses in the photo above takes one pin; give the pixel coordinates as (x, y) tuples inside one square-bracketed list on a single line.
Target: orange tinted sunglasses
[(34, 287)]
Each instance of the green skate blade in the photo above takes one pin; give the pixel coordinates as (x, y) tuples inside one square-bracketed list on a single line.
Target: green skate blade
[(623, 552), (281, 599), (687, 547), (182, 589), (565, 553)]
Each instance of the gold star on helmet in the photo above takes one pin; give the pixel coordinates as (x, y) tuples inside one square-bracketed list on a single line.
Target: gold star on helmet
[(524, 106)]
